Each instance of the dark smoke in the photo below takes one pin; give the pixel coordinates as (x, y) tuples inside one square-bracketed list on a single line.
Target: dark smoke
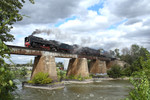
[(85, 41), (38, 31), (67, 37), (58, 34)]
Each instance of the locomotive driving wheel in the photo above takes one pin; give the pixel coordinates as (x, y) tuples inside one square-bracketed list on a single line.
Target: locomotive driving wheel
[(34, 45)]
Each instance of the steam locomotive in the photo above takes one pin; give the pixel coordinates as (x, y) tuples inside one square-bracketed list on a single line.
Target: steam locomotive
[(52, 45)]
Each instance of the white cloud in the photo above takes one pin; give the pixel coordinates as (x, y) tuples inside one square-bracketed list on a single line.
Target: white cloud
[(106, 30)]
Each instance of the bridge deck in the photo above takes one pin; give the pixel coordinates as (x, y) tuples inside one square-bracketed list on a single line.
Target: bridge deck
[(38, 52)]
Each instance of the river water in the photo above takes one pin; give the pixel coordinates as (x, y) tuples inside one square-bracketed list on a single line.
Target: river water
[(104, 90)]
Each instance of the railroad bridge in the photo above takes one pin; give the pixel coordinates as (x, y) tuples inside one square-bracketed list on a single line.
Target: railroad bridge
[(45, 62)]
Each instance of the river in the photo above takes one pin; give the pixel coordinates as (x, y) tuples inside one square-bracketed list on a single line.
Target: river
[(104, 90)]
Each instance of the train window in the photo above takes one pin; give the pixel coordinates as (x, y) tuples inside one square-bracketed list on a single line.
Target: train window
[(26, 39)]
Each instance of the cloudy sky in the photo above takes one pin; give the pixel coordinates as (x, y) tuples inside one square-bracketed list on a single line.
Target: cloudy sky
[(106, 24)]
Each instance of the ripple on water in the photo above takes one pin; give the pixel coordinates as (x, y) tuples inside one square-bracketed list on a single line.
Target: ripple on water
[(91, 95), (105, 90)]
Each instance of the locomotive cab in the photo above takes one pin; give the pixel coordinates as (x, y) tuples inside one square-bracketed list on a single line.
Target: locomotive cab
[(27, 42)]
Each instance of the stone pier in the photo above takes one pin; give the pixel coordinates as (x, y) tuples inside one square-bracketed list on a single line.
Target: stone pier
[(45, 64), (97, 67), (116, 62), (78, 66)]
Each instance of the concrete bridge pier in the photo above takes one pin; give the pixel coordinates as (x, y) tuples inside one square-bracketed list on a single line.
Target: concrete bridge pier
[(78, 66), (97, 66), (45, 64)]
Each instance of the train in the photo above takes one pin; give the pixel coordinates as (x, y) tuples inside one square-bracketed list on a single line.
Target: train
[(52, 45)]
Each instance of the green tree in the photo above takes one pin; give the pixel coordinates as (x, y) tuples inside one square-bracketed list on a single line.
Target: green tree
[(127, 58), (133, 58), (135, 50), (9, 14), (117, 53), (133, 54), (23, 71), (115, 71), (125, 51), (141, 81), (143, 52), (6, 75)]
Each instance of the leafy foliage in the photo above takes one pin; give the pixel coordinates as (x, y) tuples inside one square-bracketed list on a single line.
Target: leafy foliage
[(41, 78), (77, 77), (9, 14), (7, 85), (133, 57), (3, 49), (23, 71), (141, 81), (133, 54), (73, 77), (138, 59), (127, 71), (61, 74), (141, 85), (115, 71), (117, 54)]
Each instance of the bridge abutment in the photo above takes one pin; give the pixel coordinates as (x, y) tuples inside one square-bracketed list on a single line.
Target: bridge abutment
[(45, 64), (97, 66), (78, 66)]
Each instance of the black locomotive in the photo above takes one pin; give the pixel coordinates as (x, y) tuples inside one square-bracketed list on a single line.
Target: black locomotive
[(52, 45)]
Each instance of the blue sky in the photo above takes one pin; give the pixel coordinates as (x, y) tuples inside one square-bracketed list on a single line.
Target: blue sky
[(65, 20), (115, 25), (96, 7)]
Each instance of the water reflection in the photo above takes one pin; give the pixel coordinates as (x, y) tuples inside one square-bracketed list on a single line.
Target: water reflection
[(105, 90)]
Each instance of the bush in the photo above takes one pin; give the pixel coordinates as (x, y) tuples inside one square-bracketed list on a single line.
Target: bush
[(41, 78), (61, 74), (23, 71), (115, 71), (79, 77), (30, 81), (88, 77), (46, 81), (127, 71)]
